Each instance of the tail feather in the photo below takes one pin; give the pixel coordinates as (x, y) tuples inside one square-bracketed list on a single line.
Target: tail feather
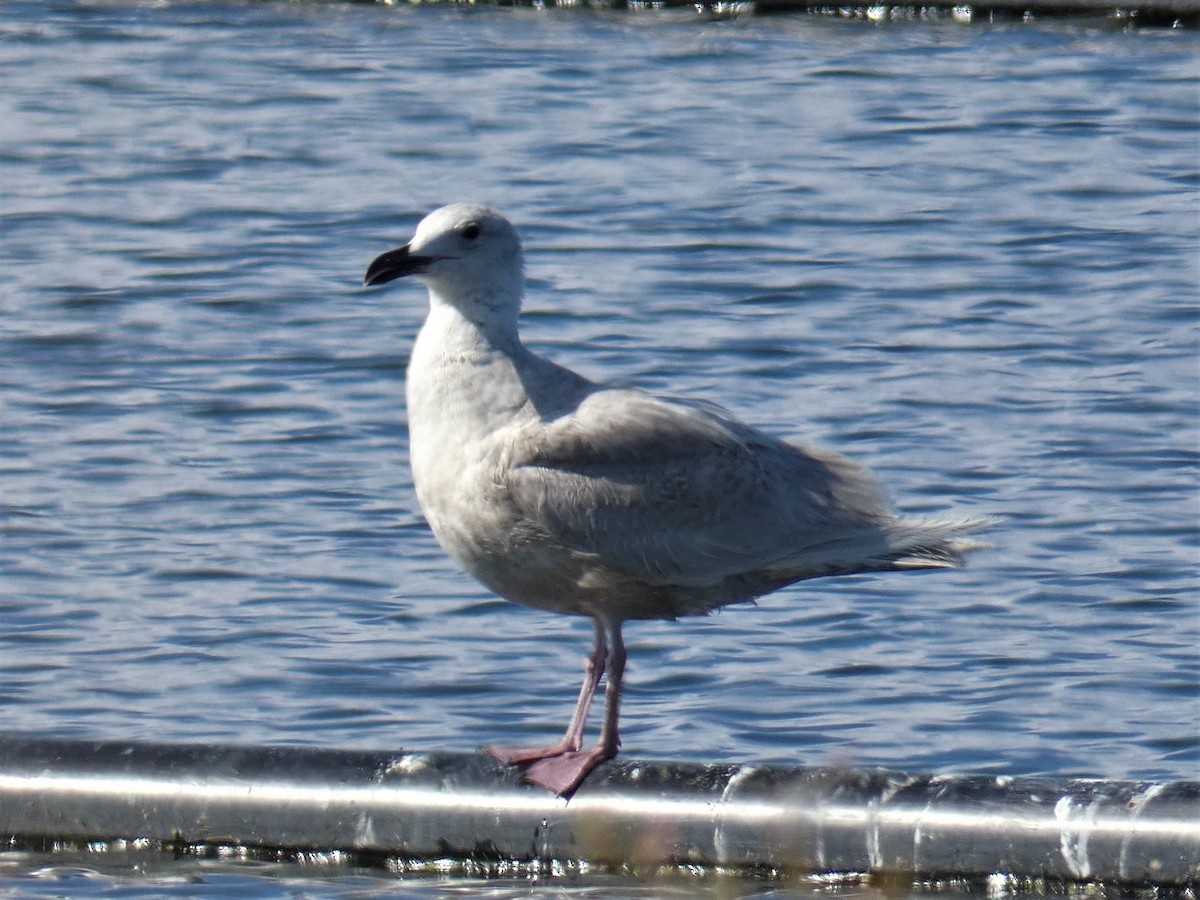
[(937, 543)]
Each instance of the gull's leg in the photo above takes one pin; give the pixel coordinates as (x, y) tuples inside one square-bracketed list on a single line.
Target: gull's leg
[(593, 669), (564, 772)]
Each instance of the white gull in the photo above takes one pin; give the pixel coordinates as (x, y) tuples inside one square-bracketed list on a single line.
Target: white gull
[(566, 495)]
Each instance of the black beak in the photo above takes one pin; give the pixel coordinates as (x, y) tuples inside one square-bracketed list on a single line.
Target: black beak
[(395, 264)]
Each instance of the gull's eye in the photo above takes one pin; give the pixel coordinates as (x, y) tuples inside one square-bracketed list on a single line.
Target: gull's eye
[(470, 231)]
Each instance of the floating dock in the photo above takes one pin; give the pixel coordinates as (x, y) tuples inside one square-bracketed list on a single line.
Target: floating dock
[(630, 815), (1154, 13), (1157, 13)]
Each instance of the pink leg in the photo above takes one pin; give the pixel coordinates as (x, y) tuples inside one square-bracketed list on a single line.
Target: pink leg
[(593, 669), (564, 772)]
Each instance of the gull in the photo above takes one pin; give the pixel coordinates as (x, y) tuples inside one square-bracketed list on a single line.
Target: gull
[(572, 496)]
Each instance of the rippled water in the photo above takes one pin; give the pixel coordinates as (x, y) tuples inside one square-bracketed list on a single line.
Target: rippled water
[(966, 256)]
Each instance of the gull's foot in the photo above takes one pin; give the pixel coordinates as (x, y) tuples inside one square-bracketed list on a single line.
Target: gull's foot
[(564, 772), (512, 756)]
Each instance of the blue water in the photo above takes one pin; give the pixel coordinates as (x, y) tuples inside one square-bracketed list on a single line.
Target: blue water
[(965, 256)]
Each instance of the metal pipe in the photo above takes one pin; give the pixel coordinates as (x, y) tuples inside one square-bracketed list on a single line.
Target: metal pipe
[(412, 805)]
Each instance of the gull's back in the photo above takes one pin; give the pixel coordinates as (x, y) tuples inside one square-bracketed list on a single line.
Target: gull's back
[(689, 510)]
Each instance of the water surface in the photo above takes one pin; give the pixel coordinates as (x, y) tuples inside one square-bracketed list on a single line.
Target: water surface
[(965, 256)]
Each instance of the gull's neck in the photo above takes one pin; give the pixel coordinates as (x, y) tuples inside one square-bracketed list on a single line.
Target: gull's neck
[(466, 366), (475, 330), (488, 311)]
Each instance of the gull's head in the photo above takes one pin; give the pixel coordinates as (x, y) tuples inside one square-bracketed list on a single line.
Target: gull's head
[(469, 256)]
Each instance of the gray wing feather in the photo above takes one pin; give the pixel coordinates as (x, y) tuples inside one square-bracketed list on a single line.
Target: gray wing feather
[(677, 494)]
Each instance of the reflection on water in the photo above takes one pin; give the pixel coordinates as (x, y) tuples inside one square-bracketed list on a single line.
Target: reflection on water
[(133, 872)]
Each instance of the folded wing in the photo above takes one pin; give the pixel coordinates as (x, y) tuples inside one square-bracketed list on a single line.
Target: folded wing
[(671, 493)]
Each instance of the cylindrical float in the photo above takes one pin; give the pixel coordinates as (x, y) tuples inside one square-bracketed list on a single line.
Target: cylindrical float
[(414, 805)]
